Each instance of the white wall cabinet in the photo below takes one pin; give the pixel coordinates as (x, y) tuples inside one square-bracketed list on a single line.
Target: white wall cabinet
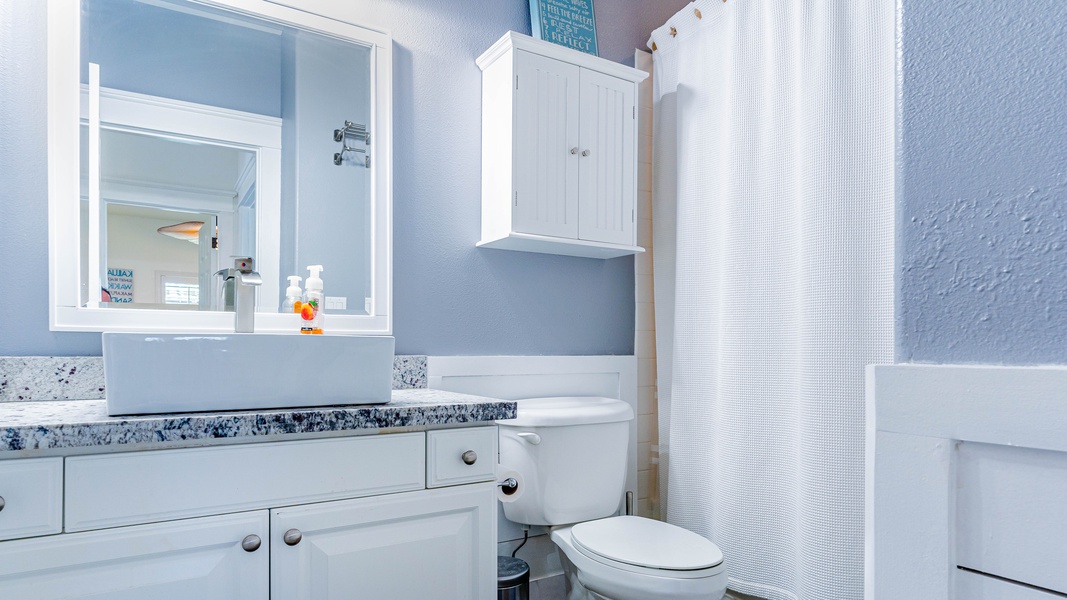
[(250, 521), (558, 150)]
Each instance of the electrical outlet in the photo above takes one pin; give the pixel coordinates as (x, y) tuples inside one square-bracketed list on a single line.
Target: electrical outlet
[(336, 303)]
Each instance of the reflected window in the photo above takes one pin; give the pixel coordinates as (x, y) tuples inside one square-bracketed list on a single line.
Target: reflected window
[(180, 290)]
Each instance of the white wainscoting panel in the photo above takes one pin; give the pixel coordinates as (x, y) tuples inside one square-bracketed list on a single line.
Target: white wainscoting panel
[(1010, 505), (966, 467)]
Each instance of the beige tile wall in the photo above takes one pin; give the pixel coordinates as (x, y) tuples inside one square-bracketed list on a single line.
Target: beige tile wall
[(645, 329)]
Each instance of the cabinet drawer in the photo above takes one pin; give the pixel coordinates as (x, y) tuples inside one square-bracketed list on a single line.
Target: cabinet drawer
[(445, 450), (145, 487), (32, 493)]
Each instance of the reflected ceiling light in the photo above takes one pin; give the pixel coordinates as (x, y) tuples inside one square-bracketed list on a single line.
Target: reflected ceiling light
[(188, 231)]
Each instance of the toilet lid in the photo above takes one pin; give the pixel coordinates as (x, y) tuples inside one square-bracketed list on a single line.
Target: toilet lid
[(568, 410), (646, 543)]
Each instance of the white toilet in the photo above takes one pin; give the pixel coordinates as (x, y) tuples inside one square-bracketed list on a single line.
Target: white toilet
[(571, 455)]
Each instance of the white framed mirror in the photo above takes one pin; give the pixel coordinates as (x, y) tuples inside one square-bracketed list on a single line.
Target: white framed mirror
[(183, 133)]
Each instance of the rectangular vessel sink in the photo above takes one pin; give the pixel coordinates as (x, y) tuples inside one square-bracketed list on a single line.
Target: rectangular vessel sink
[(166, 373)]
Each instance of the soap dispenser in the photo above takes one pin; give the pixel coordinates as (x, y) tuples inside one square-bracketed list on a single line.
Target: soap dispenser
[(312, 311), (293, 295)]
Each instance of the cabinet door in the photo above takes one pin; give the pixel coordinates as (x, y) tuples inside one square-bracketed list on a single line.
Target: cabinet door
[(197, 558), (546, 132), (438, 544), (606, 172), (31, 497)]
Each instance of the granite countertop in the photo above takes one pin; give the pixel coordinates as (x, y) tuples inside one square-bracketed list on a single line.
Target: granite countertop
[(85, 425)]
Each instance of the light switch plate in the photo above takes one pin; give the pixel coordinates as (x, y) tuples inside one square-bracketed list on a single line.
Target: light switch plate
[(336, 303)]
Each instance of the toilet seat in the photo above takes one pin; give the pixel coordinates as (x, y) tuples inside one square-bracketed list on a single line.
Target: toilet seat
[(622, 581), (648, 547)]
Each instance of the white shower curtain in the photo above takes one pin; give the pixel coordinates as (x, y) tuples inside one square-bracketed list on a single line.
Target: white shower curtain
[(773, 241)]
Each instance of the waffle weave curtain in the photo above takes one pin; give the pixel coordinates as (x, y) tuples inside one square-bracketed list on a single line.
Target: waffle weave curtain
[(773, 195)]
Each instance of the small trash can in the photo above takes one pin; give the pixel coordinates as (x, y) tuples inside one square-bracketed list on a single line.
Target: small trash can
[(512, 579)]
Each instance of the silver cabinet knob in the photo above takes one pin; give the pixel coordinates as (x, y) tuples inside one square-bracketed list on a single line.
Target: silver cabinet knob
[(2, 503), (292, 537), (574, 150), (470, 457), (251, 543), (585, 153)]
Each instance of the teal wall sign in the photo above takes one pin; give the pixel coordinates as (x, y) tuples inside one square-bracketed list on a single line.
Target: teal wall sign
[(568, 23)]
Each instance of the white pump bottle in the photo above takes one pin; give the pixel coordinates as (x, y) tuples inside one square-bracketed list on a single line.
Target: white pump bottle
[(292, 294)]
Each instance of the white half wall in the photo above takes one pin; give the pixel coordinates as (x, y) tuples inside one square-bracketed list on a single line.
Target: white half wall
[(966, 482)]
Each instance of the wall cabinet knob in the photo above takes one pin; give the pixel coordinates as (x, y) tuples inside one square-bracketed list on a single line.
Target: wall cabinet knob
[(251, 543), (292, 537), (2, 503), (585, 153), (470, 457), (574, 150)]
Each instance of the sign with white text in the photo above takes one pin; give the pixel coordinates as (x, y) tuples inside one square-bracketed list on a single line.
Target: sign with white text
[(120, 284), (568, 23)]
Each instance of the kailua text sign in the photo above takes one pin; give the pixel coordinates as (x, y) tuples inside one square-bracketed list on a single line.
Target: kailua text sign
[(120, 284)]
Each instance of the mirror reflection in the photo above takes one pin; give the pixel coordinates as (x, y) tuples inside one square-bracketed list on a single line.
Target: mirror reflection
[(171, 209), (221, 135)]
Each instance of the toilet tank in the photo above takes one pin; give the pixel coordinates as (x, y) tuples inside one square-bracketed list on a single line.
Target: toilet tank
[(571, 453)]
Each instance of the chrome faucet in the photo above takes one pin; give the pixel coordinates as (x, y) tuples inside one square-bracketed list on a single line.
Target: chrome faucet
[(245, 279)]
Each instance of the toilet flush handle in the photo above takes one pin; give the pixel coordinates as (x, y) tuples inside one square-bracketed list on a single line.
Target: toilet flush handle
[(531, 438)]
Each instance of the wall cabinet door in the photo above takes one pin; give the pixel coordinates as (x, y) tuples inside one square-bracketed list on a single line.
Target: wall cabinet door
[(558, 150), (606, 166), (436, 544), (200, 558), (546, 146), (574, 152)]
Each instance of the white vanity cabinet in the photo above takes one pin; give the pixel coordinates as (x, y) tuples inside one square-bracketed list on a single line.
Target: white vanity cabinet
[(558, 150), (31, 497), (438, 544), (195, 558), (325, 519)]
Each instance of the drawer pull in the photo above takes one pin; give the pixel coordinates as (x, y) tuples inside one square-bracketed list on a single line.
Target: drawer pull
[(470, 457), (292, 537), (251, 543), (2, 503)]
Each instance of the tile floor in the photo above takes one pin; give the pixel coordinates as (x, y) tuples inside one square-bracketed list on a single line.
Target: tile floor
[(551, 588)]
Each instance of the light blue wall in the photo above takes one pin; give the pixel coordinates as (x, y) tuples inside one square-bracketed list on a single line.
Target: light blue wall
[(982, 242), (224, 64), (322, 103), (450, 298), (24, 189)]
